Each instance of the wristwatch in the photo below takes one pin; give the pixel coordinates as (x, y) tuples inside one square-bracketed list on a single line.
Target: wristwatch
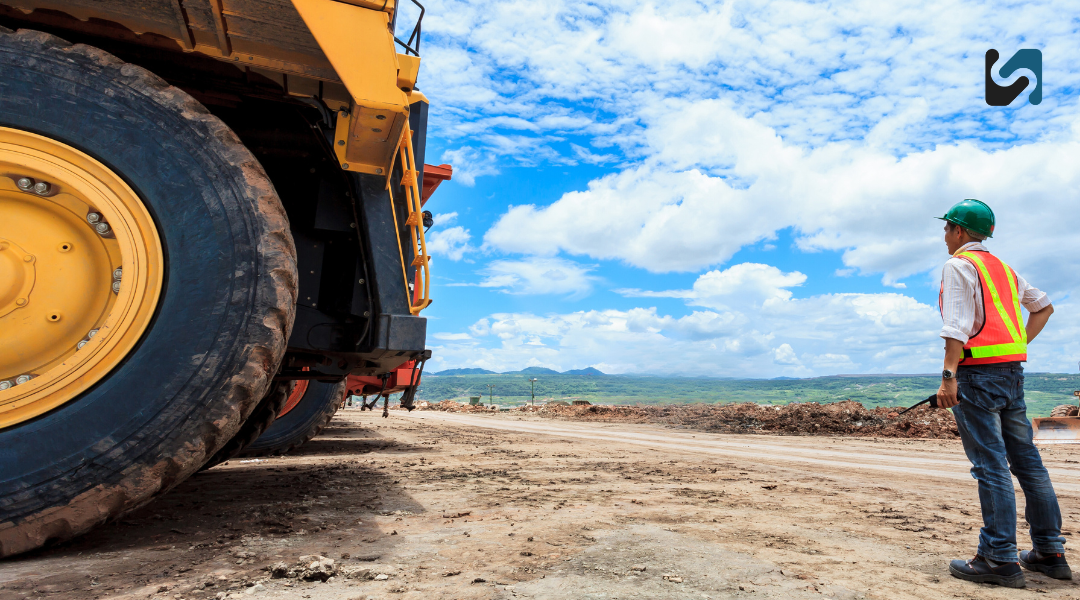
[(947, 374)]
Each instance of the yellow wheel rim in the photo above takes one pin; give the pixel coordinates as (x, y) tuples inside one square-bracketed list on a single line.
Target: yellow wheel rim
[(80, 273)]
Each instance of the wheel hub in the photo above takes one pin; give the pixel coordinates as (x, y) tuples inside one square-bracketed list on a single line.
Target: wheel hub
[(80, 273), (17, 268)]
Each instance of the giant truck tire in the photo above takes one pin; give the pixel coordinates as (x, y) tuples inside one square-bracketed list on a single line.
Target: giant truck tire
[(1064, 410), (261, 418), (155, 287), (304, 421)]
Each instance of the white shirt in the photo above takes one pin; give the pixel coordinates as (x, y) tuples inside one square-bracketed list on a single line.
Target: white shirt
[(961, 299)]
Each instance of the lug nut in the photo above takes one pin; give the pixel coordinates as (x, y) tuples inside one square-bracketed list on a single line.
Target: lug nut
[(116, 287), (41, 188), (25, 183), (81, 344), (93, 218), (5, 385), (21, 379), (118, 273), (102, 228), (91, 333)]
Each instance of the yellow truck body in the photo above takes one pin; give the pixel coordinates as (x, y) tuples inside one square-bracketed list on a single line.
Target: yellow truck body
[(341, 52)]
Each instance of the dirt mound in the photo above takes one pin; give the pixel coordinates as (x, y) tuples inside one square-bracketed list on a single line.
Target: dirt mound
[(451, 406), (839, 418)]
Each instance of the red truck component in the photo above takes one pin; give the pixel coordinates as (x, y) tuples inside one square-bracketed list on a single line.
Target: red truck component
[(433, 176), (294, 397), (398, 380)]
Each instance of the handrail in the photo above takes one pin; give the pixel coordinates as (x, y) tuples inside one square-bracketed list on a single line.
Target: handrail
[(410, 180), (415, 32)]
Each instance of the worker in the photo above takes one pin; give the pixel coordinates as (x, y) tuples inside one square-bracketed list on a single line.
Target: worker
[(983, 382)]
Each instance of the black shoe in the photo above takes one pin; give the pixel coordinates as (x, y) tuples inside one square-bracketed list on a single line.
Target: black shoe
[(978, 570), (1052, 565)]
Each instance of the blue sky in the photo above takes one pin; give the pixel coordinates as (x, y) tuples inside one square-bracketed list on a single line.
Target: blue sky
[(736, 188)]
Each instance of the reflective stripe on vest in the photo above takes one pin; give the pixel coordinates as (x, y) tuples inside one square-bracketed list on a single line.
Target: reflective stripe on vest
[(1002, 337)]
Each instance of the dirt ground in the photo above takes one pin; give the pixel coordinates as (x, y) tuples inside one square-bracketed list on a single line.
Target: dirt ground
[(496, 506)]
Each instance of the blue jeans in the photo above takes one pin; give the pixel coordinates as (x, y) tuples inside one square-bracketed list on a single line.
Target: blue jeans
[(993, 424)]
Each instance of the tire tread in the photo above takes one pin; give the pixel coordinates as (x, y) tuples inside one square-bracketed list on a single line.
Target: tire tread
[(321, 420)]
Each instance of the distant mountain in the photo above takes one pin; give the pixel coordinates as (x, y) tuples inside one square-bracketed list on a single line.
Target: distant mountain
[(887, 375), (450, 372), (533, 371), (585, 371)]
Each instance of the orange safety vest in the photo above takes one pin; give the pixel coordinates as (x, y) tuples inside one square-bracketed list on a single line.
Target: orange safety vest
[(1002, 337)]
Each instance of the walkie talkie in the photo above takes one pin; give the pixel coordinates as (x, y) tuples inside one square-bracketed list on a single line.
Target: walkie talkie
[(932, 400)]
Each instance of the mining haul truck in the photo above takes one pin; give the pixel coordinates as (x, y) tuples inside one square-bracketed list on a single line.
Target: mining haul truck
[(202, 203)]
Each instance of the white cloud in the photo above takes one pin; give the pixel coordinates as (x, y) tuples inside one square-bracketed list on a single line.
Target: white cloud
[(807, 337), (832, 363), (481, 327), (452, 337), (904, 77), (585, 155), (820, 335), (849, 123), (670, 214), (451, 242), (444, 219), (785, 355), (743, 284), (752, 327), (1057, 349), (538, 276), (469, 163)]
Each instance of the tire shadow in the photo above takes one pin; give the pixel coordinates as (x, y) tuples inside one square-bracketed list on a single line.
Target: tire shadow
[(341, 437), (221, 518)]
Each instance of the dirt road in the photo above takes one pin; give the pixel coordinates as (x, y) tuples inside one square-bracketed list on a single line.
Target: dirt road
[(436, 505)]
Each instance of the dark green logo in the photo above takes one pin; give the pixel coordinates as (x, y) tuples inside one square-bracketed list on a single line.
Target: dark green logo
[(1003, 95)]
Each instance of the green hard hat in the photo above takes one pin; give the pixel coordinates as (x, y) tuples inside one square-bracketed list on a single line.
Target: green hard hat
[(972, 214)]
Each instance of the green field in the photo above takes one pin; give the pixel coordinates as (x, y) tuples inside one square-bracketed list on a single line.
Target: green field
[(1043, 391)]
